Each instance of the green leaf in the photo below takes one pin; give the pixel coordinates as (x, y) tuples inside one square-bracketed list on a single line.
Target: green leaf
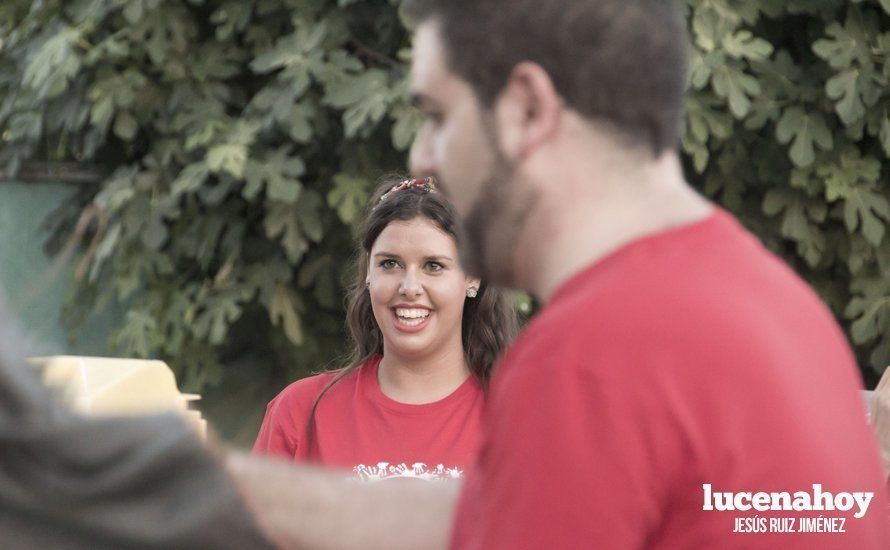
[(868, 211), (102, 111), (744, 45), (320, 273), (308, 214), (299, 123), (737, 87), (699, 153), (265, 277), (137, 337), (795, 223), (844, 87), (407, 120), (283, 313), (842, 178), (807, 130), (230, 18), (870, 310), (216, 314), (229, 157), (25, 126), (133, 11), (292, 49), (204, 135), (284, 190), (125, 126), (884, 134), (281, 222), (155, 234), (53, 65), (190, 179), (348, 196), (311, 270), (840, 50), (279, 172), (366, 98), (702, 67), (281, 176), (105, 249), (849, 42)]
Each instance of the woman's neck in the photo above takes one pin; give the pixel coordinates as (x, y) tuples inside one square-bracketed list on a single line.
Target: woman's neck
[(422, 380)]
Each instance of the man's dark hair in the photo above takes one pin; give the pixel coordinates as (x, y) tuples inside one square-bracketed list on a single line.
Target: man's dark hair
[(622, 62)]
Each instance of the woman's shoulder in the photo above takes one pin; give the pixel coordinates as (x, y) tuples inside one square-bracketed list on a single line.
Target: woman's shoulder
[(304, 391), (290, 409)]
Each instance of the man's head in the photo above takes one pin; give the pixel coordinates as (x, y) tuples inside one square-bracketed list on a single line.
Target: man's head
[(499, 78)]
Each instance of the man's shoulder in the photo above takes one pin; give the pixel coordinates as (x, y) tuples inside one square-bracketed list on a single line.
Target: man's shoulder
[(596, 313)]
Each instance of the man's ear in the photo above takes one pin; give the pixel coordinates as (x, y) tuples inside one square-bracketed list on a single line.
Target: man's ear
[(528, 110)]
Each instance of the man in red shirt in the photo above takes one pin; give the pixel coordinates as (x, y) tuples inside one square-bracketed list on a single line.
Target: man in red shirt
[(681, 387)]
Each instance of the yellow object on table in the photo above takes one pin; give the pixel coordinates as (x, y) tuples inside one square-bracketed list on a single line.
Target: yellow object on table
[(103, 386)]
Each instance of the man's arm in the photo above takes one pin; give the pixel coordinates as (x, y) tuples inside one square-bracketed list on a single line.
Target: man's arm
[(303, 507)]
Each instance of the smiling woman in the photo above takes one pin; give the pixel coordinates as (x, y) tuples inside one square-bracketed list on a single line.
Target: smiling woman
[(417, 292), (425, 338)]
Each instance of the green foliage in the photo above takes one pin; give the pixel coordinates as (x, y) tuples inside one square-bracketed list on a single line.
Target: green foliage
[(242, 139), (788, 127)]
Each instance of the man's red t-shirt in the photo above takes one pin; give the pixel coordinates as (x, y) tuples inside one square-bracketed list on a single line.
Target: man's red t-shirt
[(686, 358), (356, 426)]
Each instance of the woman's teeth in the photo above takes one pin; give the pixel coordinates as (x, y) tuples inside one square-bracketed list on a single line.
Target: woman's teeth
[(412, 317)]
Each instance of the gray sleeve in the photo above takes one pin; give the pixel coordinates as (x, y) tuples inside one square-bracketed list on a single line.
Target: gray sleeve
[(71, 482)]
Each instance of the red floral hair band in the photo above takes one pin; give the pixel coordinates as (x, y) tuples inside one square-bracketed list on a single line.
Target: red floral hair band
[(426, 185)]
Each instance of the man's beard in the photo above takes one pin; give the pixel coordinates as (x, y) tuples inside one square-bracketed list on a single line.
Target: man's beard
[(490, 229)]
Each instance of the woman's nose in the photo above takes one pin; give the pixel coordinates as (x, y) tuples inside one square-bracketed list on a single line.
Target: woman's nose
[(410, 287)]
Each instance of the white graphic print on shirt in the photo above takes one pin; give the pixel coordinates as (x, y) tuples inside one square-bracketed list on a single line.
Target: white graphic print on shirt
[(385, 470)]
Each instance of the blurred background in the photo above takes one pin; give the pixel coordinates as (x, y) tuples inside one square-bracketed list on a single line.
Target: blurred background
[(180, 179)]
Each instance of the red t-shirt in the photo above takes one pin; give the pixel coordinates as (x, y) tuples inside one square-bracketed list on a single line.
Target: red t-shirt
[(686, 358), (359, 428)]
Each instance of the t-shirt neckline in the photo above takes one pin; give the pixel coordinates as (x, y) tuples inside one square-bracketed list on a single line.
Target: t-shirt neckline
[(371, 388)]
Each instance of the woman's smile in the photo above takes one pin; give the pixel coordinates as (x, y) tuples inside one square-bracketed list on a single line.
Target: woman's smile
[(411, 318)]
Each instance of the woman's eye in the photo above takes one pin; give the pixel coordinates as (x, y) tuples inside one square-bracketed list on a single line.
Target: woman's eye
[(434, 266), (388, 264)]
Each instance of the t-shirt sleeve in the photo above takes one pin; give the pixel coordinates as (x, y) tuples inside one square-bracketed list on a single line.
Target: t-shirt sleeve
[(284, 427), (574, 453)]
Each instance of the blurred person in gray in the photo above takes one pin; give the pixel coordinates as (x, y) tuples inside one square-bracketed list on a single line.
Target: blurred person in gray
[(67, 481)]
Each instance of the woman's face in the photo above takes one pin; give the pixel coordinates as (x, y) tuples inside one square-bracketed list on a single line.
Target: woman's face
[(417, 288)]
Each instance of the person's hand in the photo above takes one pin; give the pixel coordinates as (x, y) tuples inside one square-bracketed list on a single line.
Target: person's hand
[(880, 418)]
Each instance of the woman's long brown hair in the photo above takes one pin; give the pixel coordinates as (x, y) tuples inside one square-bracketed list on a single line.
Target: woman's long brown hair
[(489, 320)]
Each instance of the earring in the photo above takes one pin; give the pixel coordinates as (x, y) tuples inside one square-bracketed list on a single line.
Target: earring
[(472, 292)]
